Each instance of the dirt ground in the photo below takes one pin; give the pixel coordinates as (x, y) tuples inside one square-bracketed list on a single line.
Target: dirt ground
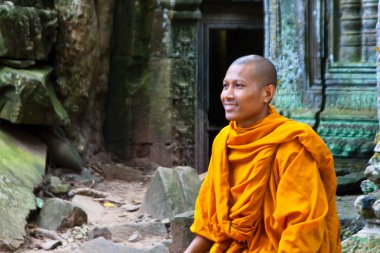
[(121, 206)]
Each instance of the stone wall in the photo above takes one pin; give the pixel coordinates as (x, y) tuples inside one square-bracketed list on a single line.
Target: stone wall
[(317, 85), (82, 56), (128, 96), (54, 66), (153, 79), (149, 99)]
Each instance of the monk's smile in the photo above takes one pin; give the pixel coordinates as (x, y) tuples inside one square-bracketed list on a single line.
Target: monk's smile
[(230, 107)]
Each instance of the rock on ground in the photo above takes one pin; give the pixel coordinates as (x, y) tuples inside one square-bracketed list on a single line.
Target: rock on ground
[(22, 165), (171, 192)]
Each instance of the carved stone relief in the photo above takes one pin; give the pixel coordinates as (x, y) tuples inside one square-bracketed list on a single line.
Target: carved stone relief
[(183, 26), (333, 86)]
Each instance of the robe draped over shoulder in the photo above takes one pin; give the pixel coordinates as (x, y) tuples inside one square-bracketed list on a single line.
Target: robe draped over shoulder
[(269, 188)]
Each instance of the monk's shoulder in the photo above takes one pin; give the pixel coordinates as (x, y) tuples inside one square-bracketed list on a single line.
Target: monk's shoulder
[(293, 125), (223, 132), (300, 129), (221, 136), (290, 148), (287, 153), (294, 146)]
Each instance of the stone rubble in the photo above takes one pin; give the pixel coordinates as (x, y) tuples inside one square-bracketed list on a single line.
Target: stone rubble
[(368, 206), (111, 216)]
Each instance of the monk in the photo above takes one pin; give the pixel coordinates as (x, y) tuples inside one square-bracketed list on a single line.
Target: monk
[(271, 182)]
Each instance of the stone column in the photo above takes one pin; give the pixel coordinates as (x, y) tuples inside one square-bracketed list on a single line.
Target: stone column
[(350, 35), (285, 45), (369, 18), (183, 18)]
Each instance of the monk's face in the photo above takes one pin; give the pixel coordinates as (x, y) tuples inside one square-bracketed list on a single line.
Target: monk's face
[(245, 99)]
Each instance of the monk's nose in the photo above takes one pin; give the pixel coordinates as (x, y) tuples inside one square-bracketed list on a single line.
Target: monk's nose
[(229, 93)]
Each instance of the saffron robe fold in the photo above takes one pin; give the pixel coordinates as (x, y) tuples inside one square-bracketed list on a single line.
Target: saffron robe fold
[(269, 188)]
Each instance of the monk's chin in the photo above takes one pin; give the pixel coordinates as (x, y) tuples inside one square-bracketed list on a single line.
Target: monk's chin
[(229, 118)]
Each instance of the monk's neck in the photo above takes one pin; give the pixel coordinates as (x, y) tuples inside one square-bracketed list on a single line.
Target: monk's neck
[(256, 121)]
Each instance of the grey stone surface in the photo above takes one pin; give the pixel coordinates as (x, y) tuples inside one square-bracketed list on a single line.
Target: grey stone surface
[(82, 53), (27, 96), (363, 205), (93, 209), (51, 244), (122, 232), (350, 183), (181, 234), (372, 172), (26, 33), (58, 214), (99, 232), (22, 165), (366, 240), (122, 172), (135, 237), (345, 206), (172, 191), (56, 186), (101, 245), (350, 220)]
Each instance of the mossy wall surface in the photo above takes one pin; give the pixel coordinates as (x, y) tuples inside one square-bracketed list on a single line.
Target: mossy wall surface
[(150, 110), (22, 165), (334, 95)]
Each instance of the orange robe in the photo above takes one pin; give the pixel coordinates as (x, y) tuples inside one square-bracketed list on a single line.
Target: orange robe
[(269, 188)]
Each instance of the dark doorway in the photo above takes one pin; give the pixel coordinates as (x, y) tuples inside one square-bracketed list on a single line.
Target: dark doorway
[(227, 31), (225, 46)]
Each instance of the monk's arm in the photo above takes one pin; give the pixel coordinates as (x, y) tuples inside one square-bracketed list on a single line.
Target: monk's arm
[(199, 245), (302, 206)]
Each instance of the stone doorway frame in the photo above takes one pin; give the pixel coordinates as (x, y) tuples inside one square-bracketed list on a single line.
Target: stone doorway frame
[(206, 24)]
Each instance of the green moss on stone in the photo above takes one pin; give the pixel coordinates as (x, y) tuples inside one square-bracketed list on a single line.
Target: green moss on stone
[(359, 244)]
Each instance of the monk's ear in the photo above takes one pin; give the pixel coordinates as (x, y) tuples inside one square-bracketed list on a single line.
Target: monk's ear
[(269, 90)]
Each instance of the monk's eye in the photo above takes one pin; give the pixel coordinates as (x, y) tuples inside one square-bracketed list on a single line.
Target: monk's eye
[(225, 86), (239, 85)]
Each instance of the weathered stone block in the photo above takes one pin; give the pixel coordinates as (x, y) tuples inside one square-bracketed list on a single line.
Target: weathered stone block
[(99, 232), (171, 192), (22, 165), (58, 214), (363, 204), (28, 97), (181, 234), (372, 172), (122, 232), (350, 183), (26, 32), (100, 245), (56, 186), (122, 172)]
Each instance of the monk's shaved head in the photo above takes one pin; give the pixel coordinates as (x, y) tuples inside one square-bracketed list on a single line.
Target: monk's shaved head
[(262, 68)]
